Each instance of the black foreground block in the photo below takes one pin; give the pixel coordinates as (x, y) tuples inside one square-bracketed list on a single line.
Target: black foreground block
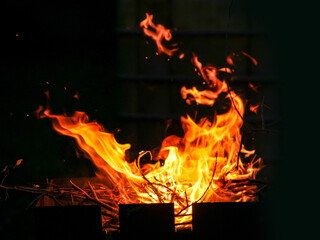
[(146, 221), (68, 222), (227, 220)]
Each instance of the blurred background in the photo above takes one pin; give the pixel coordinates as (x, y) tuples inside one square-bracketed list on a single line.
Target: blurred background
[(93, 57)]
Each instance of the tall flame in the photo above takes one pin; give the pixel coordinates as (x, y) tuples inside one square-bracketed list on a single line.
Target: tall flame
[(203, 165)]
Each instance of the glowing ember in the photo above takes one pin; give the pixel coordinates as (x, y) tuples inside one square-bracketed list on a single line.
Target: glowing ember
[(229, 60), (254, 108), (203, 165)]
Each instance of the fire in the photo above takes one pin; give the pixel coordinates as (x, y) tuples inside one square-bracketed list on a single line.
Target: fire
[(157, 33), (203, 165), (254, 108), (255, 62), (229, 60)]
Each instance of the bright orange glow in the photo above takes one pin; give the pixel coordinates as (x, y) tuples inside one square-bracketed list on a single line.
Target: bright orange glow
[(38, 110), (229, 60), (254, 108), (76, 96), (227, 70), (251, 58), (205, 97), (253, 87), (204, 164), (181, 55), (158, 33)]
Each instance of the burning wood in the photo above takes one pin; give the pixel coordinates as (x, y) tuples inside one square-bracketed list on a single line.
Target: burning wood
[(205, 165)]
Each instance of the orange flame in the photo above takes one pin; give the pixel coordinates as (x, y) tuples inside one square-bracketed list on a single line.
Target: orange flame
[(181, 55), (255, 62), (254, 87), (227, 70), (158, 33), (203, 165), (254, 108), (76, 96), (200, 165), (229, 60)]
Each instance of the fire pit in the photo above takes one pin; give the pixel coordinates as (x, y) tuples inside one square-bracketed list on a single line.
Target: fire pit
[(202, 179), (208, 164)]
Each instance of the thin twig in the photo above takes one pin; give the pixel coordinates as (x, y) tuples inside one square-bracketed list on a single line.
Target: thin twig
[(93, 192), (186, 196), (25, 189), (214, 171), (172, 191), (184, 223), (240, 147), (155, 190), (92, 199), (54, 199), (148, 192), (228, 26), (261, 113), (72, 201), (252, 130), (5, 176), (234, 105), (34, 200), (183, 215)]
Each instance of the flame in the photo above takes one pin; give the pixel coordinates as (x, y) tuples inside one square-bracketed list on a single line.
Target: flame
[(203, 165), (225, 69), (229, 60), (254, 108), (157, 33), (76, 96), (255, 62), (254, 87)]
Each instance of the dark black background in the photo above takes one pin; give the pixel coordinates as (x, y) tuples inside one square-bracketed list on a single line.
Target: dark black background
[(67, 48), (72, 45)]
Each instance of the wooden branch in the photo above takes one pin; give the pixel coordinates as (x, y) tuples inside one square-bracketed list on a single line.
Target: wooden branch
[(93, 192), (214, 171), (34, 200), (184, 223), (186, 196), (183, 209), (263, 131), (54, 199), (92, 199), (155, 190), (261, 113), (240, 147), (234, 105), (148, 193), (172, 191)]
